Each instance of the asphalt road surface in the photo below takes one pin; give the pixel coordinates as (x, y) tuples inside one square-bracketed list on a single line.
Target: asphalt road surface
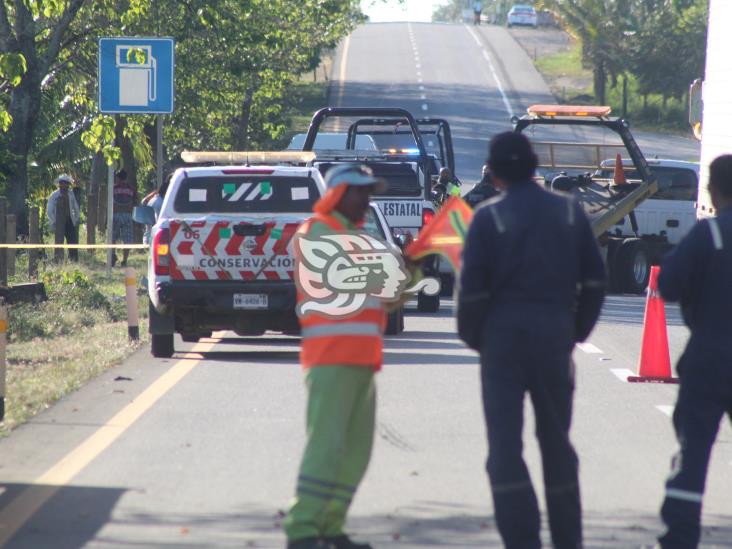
[(202, 450)]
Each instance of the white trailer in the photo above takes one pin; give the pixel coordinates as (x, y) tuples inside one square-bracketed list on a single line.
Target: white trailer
[(716, 133)]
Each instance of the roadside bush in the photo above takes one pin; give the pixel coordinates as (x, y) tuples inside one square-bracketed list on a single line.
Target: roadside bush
[(74, 302)]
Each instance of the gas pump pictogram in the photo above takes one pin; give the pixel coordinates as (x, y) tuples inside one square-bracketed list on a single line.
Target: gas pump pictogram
[(137, 75)]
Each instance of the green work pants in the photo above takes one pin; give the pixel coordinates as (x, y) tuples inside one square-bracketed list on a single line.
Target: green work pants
[(340, 433)]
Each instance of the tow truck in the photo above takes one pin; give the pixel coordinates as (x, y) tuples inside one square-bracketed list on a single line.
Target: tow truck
[(574, 167), (408, 169)]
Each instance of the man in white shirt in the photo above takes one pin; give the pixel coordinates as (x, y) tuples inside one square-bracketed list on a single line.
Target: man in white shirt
[(64, 209)]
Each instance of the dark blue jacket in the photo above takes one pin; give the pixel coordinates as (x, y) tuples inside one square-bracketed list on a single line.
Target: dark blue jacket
[(530, 261), (698, 273)]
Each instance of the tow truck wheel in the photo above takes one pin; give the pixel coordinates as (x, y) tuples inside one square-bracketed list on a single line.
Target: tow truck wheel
[(428, 303), (633, 267), (162, 345)]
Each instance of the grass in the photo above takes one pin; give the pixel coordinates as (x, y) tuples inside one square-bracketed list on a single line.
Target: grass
[(564, 68), (55, 347)]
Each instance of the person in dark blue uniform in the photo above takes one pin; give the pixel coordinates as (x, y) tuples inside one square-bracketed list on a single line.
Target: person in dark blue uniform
[(698, 273), (532, 284)]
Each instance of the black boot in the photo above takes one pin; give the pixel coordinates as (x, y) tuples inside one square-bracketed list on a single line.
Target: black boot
[(344, 542), (306, 543)]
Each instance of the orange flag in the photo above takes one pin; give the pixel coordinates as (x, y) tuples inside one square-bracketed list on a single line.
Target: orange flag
[(445, 234)]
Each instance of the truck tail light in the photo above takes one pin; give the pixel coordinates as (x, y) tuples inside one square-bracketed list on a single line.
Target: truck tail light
[(427, 216), (161, 252)]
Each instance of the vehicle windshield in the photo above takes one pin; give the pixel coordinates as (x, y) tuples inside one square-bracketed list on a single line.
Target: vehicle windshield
[(673, 183), (236, 194), (332, 141), (372, 226), (401, 177)]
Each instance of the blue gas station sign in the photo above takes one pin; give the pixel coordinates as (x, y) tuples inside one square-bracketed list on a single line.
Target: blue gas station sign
[(136, 75)]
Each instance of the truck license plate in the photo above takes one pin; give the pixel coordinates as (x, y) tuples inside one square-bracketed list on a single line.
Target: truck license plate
[(250, 301)]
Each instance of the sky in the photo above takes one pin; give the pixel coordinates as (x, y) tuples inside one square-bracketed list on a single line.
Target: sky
[(391, 10)]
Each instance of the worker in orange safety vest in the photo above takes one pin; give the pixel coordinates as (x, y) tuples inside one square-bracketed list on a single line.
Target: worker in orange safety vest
[(341, 351)]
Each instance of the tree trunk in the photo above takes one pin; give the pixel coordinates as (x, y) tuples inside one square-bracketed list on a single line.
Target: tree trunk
[(599, 81), (242, 134), (128, 155), (25, 104)]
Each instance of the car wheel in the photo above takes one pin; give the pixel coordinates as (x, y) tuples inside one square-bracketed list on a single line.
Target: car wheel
[(428, 303), (447, 284), (162, 345), (394, 322), (633, 266)]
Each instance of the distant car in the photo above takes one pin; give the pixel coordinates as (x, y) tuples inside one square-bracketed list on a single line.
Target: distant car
[(670, 212), (332, 141), (521, 14)]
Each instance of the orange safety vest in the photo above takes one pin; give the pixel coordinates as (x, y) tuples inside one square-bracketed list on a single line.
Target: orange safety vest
[(350, 341)]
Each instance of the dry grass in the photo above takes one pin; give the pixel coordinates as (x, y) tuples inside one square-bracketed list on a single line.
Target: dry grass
[(57, 346), (42, 371)]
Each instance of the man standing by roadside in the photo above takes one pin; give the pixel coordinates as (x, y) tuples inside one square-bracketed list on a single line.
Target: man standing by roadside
[(125, 199), (340, 355), (532, 284), (698, 273), (64, 215)]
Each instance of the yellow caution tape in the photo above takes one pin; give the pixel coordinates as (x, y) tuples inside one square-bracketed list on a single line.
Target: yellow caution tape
[(76, 246), (130, 281)]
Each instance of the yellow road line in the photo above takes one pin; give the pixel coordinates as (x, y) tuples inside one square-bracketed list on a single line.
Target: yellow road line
[(22, 508)]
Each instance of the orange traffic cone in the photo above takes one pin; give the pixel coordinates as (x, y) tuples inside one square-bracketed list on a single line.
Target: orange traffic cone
[(655, 364), (619, 174)]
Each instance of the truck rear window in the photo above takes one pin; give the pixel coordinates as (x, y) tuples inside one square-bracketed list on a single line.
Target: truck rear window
[(246, 194), (401, 178)]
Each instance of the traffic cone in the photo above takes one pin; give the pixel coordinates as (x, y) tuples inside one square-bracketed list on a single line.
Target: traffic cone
[(619, 174), (655, 363)]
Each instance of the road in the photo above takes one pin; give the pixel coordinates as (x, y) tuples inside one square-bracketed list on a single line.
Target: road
[(201, 450)]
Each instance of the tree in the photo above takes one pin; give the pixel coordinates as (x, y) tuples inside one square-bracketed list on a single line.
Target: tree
[(451, 11), (601, 26), (37, 31)]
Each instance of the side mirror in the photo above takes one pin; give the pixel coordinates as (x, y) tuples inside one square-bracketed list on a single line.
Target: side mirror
[(144, 215)]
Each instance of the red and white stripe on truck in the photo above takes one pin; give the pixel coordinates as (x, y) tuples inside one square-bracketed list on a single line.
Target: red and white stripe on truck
[(214, 250)]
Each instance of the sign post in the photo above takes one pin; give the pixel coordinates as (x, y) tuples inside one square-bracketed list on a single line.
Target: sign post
[(136, 76)]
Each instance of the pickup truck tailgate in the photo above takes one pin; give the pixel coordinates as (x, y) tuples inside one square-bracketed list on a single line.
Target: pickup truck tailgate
[(233, 248)]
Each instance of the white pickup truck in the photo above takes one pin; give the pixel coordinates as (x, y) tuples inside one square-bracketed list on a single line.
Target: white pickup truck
[(221, 257)]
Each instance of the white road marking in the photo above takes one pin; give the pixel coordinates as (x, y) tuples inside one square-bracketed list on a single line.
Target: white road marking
[(589, 348), (487, 57), (423, 97), (622, 374), (421, 88), (665, 409), (424, 106), (419, 66)]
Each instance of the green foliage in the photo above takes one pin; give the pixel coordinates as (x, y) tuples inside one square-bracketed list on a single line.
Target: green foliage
[(452, 11), (74, 303), (74, 290), (662, 43)]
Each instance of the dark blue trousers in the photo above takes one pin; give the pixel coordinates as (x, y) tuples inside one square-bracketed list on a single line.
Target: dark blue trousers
[(514, 363), (705, 395)]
